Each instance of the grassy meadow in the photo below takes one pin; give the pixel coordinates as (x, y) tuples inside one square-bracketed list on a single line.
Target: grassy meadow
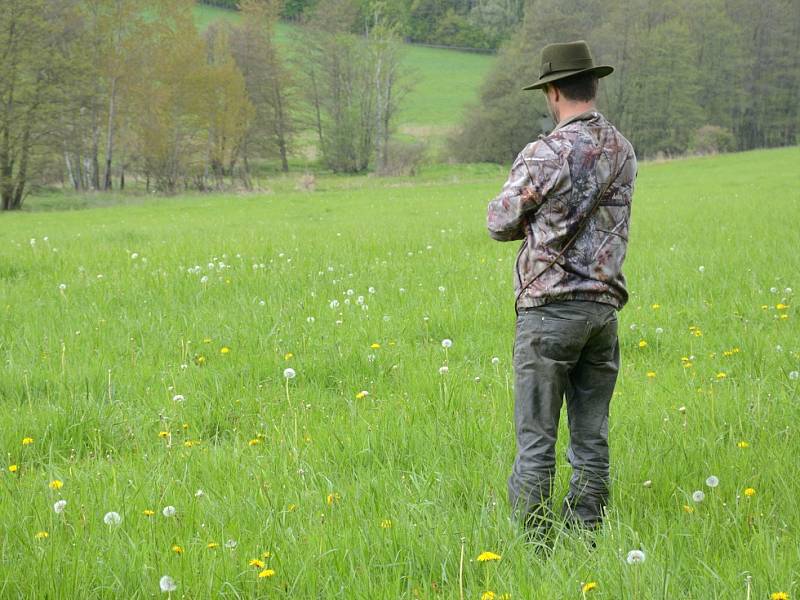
[(145, 350)]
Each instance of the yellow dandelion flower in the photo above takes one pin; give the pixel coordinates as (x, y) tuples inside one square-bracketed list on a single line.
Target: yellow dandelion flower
[(191, 443), (148, 513), (488, 556), (333, 497), (163, 434), (688, 509), (781, 306), (207, 340), (386, 524), (743, 445), (27, 441), (362, 394), (13, 468), (721, 375), (199, 360), (288, 355), (488, 595), (588, 587), (749, 492), (41, 535), (784, 317), (291, 507), (375, 346), (651, 374), (655, 306), (779, 596), (765, 307), (642, 344), (225, 350), (254, 442), (266, 573), (177, 549), (212, 545), (185, 426), (56, 484), (266, 554), (254, 562)]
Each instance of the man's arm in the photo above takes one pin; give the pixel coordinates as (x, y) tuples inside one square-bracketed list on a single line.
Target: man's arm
[(535, 172)]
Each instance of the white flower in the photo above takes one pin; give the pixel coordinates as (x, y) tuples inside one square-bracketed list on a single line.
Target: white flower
[(788, 290), (794, 375), (698, 496), (443, 370), (33, 241), (112, 518), (350, 292), (371, 290), (648, 483), (334, 304), (199, 494), (289, 373), (635, 557), (169, 511), (134, 255), (231, 544), (774, 290), (347, 301), (62, 286), (204, 279), (659, 331), (402, 290), (167, 584), (178, 398), (701, 268), (262, 302), (633, 326), (778, 348), (495, 360), (712, 481), (446, 343), (360, 300), (441, 288), (310, 319), (59, 506)]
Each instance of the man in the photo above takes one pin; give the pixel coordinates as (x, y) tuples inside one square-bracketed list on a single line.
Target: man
[(569, 198)]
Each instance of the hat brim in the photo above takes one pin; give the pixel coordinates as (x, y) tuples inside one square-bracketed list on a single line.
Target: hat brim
[(600, 71)]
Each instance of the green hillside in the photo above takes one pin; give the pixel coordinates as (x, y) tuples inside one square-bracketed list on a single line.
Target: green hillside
[(444, 81)]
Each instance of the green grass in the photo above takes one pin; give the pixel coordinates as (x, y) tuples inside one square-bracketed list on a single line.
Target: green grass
[(416, 469), (442, 82)]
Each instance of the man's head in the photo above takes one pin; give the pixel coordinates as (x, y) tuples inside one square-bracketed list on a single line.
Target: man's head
[(571, 94), (569, 77)]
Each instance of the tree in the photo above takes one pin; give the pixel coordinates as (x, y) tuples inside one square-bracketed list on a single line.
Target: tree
[(269, 84), (36, 39)]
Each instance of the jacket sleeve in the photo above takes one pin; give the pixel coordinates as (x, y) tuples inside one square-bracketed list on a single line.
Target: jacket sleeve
[(536, 171)]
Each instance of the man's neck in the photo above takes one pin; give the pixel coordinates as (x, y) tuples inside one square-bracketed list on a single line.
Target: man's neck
[(573, 109)]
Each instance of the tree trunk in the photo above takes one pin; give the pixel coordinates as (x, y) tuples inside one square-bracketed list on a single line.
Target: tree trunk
[(112, 107)]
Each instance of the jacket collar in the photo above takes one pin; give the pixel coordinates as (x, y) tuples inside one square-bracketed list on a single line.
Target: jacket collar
[(584, 116)]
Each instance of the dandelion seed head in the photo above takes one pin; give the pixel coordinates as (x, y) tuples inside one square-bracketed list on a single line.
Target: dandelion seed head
[(289, 373), (167, 584), (794, 375), (698, 496), (59, 506), (495, 360), (447, 343), (169, 511), (635, 557), (112, 518), (712, 481), (443, 370), (178, 398)]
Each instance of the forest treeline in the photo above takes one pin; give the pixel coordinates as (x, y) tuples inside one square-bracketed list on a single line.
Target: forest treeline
[(476, 24), (691, 76), (93, 91)]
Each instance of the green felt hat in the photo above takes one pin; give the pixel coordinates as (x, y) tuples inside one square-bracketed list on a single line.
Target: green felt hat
[(563, 60)]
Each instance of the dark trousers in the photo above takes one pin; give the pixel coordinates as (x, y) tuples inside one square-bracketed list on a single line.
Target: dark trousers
[(564, 349)]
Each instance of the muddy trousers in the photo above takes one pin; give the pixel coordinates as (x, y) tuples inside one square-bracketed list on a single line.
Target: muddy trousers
[(563, 350)]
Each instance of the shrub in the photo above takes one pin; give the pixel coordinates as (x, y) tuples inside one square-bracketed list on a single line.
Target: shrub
[(711, 139)]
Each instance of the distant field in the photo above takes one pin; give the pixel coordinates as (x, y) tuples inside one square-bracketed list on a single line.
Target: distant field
[(444, 80), (145, 348)]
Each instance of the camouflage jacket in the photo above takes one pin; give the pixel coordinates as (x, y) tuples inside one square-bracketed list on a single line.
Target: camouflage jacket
[(553, 184)]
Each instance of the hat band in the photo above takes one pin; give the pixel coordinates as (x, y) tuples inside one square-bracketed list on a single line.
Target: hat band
[(573, 65)]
